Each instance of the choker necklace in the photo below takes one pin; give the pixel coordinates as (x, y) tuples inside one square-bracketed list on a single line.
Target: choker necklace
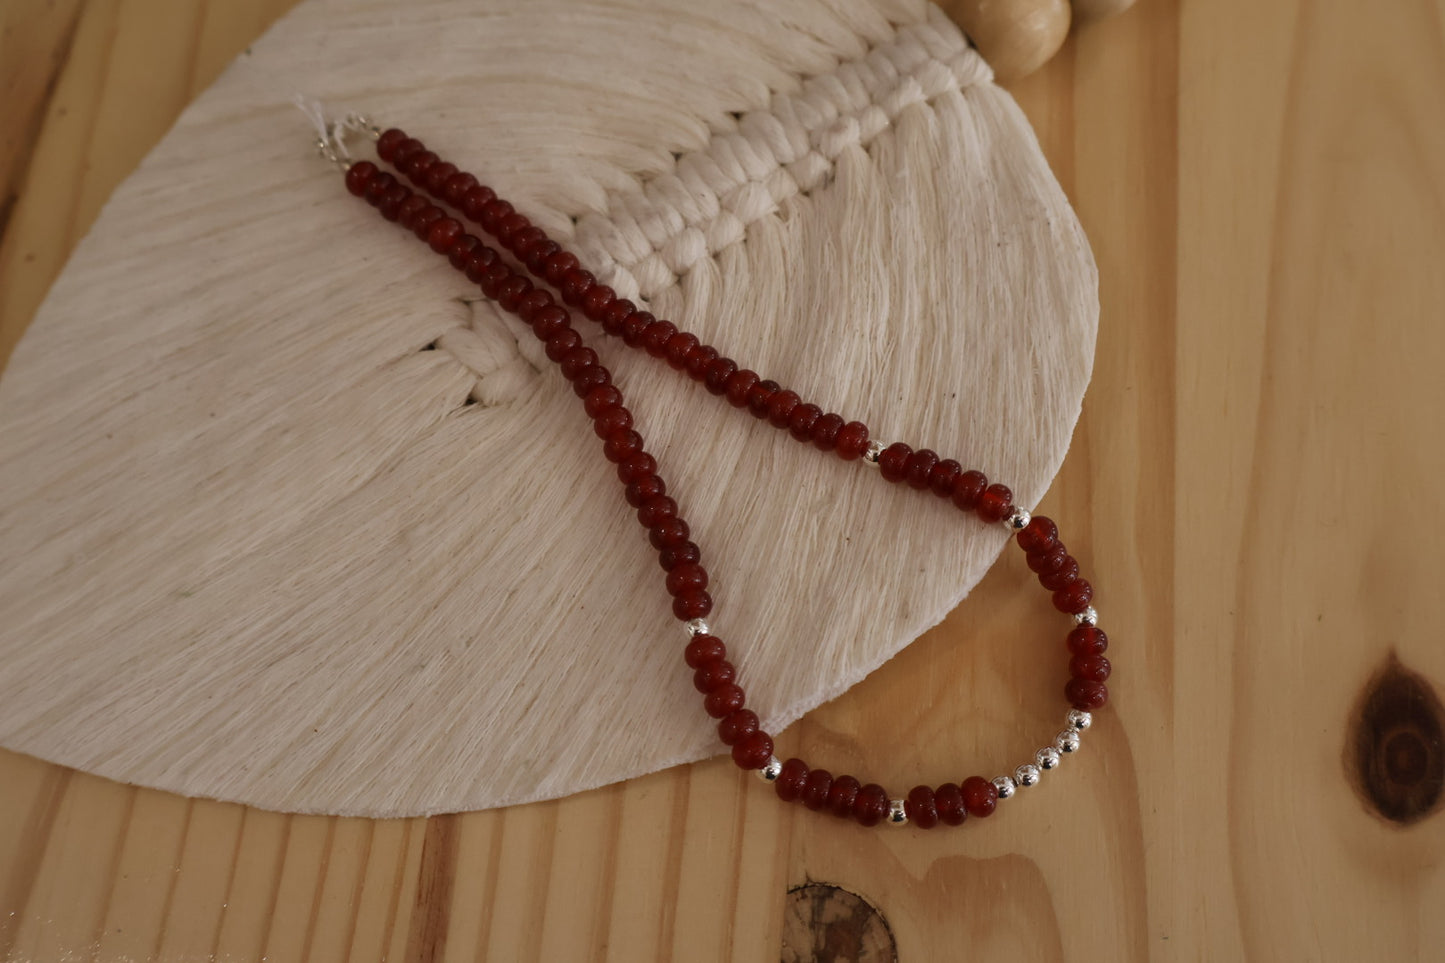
[(686, 579)]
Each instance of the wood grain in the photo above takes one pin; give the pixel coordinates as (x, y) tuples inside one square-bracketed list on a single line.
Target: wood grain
[(1256, 478)]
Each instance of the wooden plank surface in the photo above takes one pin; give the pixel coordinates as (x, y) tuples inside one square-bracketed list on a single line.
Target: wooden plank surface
[(1255, 477)]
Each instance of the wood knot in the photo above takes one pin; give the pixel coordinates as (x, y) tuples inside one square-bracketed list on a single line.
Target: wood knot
[(823, 923), (1396, 748)]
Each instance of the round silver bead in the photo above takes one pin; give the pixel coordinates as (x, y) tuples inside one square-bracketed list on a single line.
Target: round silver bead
[(698, 627), (1087, 617), (897, 815), (1027, 775), (1018, 520), (871, 453), (771, 771), (1048, 758), (1005, 787), (1079, 720), (1067, 741)]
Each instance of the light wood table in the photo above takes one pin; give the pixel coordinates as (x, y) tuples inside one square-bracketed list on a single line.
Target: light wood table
[(1257, 478)]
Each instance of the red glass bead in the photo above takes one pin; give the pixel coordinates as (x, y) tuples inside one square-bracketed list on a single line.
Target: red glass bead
[(1049, 561), (691, 605), (616, 316), (634, 326), (780, 407), (511, 291), (482, 261), (698, 359), (543, 314), (377, 187), (406, 211), (1088, 640), (656, 510), (816, 789), (359, 175), (719, 370), (562, 343), (948, 799), (574, 361), (1086, 695), (403, 150), (713, 675), (525, 240), (678, 347), (684, 578), (1039, 535), (893, 461), (944, 477), (437, 176), (995, 503), (555, 268), (601, 399), (1093, 668), (754, 751), (612, 421), (1061, 577), (392, 200), (739, 383), (969, 489), (918, 473), (702, 649), (443, 234), (654, 339), (684, 553), (423, 219), (597, 300), (871, 805), (593, 377), (510, 226), (670, 534), (802, 420), (386, 144), (475, 202), (494, 277), (824, 434), (852, 441), (637, 466), (460, 254), (733, 728), (920, 807), (642, 488), (1074, 597), (537, 255), (760, 396), (575, 284), (790, 782), (417, 165), (841, 796), (494, 212), (724, 700), (620, 447), (980, 797), (456, 187)]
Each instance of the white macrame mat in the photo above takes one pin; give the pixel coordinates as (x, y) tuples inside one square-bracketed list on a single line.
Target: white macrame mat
[(259, 544)]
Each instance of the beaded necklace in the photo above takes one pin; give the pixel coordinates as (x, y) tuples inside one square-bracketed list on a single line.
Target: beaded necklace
[(679, 556)]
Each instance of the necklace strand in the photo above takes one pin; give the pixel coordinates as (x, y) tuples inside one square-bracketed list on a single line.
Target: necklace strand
[(713, 674)]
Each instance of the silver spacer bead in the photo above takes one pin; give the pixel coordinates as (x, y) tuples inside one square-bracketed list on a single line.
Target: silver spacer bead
[(1018, 520), (1067, 741), (871, 453), (1079, 720), (1027, 775), (897, 815), (1087, 617), (698, 627), (1048, 758), (1005, 787), (771, 771)]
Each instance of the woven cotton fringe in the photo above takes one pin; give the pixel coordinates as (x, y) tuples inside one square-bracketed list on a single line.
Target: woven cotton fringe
[(291, 516)]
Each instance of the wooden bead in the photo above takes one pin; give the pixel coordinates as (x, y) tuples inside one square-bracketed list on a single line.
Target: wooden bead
[(1016, 37)]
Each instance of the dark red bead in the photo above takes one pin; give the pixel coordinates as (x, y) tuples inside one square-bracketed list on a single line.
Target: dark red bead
[(969, 489), (691, 605), (670, 534), (525, 240), (1049, 561), (616, 315), (407, 210), (713, 675), (510, 226), (494, 278), (494, 212), (511, 291), (736, 726), (814, 794), (536, 259), (724, 700), (637, 466), (417, 165), (611, 421), (719, 370), (685, 553), (437, 176), (802, 420), (678, 347), (871, 805), (601, 399), (594, 377), (358, 177), (475, 202), (780, 407), (443, 234), (1088, 640), (702, 649), (944, 477), (685, 578), (790, 782), (456, 187), (1039, 535), (824, 434), (760, 396), (555, 268), (392, 200), (948, 799), (460, 254), (643, 487), (920, 807), (698, 359), (655, 510), (620, 447), (1074, 597), (377, 188), (562, 343), (841, 796), (754, 751), (739, 383), (893, 461), (549, 320), (1093, 668), (919, 470), (575, 361), (482, 260), (386, 144), (575, 284), (1061, 577), (654, 339), (1086, 695), (634, 326), (404, 149), (995, 503), (597, 300), (424, 219), (980, 797), (852, 441)]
